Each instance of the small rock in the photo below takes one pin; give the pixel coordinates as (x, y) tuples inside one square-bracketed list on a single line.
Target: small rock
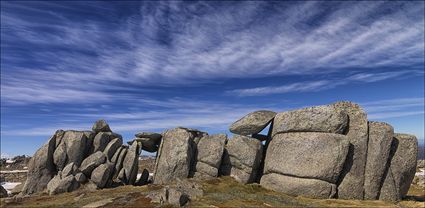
[(17, 189), (69, 169), (143, 180), (79, 197), (101, 126), (102, 139), (81, 178), (100, 203), (91, 162), (90, 186), (169, 195), (177, 197)]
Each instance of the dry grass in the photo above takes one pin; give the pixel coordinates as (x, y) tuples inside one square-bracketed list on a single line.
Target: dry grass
[(220, 192)]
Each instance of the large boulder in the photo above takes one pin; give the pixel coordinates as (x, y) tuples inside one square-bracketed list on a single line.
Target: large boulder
[(119, 161), (91, 162), (102, 174), (307, 155), (402, 167), (378, 151), (242, 158), (252, 123), (102, 139), (60, 157), (112, 147), (73, 143), (299, 186), (61, 185), (150, 135), (389, 191), (40, 168), (175, 156), (209, 153), (131, 163), (150, 141), (101, 126), (89, 142), (350, 185), (324, 118)]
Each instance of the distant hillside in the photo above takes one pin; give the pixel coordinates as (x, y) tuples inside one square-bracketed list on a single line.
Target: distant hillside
[(421, 152)]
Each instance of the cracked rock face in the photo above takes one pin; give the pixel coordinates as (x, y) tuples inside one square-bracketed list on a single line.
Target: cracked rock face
[(299, 186), (325, 118), (209, 154), (242, 158), (351, 183), (252, 123), (175, 156), (401, 167), (307, 155), (380, 137)]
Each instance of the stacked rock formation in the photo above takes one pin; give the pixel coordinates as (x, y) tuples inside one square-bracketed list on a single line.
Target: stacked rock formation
[(329, 151), (71, 159)]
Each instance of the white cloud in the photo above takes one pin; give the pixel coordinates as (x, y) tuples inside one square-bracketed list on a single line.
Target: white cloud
[(172, 43)]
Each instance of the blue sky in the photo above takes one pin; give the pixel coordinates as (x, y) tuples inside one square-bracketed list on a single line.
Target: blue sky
[(148, 66)]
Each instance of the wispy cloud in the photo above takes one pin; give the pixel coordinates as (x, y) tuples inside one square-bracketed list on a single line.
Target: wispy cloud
[(394, 108), (172, 113), (173, 43), (319, 85)]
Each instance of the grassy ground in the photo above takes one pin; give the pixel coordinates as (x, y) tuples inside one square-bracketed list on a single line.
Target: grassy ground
[(221, 192)]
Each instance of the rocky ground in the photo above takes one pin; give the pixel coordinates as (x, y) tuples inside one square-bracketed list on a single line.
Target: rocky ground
[(219, 192)]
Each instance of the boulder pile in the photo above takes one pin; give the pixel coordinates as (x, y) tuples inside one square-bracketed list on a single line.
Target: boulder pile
[(329, 151), (71, 159)]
